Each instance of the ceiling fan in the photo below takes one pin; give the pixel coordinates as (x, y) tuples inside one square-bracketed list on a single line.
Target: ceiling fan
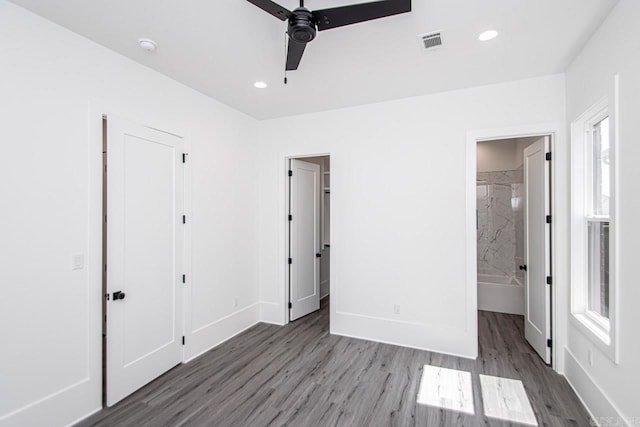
[(303, 23)]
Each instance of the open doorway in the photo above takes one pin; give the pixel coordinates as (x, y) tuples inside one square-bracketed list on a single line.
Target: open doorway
[(308, 234), (513, 202)]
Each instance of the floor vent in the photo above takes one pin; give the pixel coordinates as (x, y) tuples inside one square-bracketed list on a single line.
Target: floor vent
[(431, 40)]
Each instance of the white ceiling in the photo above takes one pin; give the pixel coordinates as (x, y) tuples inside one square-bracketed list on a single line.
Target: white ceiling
[(221, 47)]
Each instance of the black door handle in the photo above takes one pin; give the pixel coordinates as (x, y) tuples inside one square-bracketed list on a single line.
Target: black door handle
[(318, 255), (523, 267), (118, 295)]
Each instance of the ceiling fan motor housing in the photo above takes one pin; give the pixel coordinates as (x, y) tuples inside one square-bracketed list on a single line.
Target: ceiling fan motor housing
[(302, 27)]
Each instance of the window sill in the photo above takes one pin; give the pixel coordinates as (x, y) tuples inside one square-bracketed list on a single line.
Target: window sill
[(594, 327), (594, 332)]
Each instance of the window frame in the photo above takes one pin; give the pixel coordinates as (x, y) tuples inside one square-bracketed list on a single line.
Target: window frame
[(588, 129), (590, 217), (600, 330)]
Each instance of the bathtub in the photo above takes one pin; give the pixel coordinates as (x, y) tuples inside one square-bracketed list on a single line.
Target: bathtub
[(504, 294)]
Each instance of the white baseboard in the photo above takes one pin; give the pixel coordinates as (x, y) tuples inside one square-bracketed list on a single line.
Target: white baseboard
[(401, 345), (61, 408), (215, 333), (432, 338), (272, 313), (84, 417), (594, 400)]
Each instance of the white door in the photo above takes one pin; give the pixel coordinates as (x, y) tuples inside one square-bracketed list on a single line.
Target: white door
[(537, 253), (304, 233), (144, 255)]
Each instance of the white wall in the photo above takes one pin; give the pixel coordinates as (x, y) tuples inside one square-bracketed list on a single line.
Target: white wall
[(53, 87), (399, 213), (607, 388), (497, 155), (502, 154)]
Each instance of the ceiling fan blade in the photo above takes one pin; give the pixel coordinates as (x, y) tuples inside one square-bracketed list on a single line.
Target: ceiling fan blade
[(294, 54), (346, 15), (272, 8)]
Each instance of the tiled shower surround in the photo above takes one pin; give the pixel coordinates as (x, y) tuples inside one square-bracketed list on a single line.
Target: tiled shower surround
[(500, 197)]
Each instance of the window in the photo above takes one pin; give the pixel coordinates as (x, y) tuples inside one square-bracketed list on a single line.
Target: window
[(593, 226), (597, 219)]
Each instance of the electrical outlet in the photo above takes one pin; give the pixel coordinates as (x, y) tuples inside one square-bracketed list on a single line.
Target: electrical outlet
[(235, 301), (396, 308)]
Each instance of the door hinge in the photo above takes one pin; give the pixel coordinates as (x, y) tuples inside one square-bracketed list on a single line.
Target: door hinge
[(549, 280), (290, 173), (548, 219), (184, 278), (549, 343), (548, 156), (290, 217), (183, 340), (184, 219), (290, 305), (184, 157), (290, 261)]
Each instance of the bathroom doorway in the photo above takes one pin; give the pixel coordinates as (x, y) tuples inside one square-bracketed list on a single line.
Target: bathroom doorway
[(513, 228)]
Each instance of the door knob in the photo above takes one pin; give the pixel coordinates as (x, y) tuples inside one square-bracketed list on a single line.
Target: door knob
[(118, 295)]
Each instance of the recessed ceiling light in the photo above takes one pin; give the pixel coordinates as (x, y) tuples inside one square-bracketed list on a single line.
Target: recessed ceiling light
[(148, 45), (260, 85), (488, 35)]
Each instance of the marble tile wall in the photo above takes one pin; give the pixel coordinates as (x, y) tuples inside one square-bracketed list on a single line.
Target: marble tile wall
[(500, 222), (517, 200)]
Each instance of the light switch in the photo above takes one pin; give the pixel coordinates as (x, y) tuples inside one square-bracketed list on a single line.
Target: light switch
[(78, 261)]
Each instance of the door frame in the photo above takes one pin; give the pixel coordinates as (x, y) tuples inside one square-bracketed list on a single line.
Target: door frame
[(98, 109), (557, 211), (287, 241)]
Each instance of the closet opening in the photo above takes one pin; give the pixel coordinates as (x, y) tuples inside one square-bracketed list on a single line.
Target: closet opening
[(308, 188)]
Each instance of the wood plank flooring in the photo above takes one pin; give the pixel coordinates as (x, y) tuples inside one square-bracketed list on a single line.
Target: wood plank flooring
[(299, 375)]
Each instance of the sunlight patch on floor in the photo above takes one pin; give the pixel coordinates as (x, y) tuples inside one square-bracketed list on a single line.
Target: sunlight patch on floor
[(506, 399), (447, 389)]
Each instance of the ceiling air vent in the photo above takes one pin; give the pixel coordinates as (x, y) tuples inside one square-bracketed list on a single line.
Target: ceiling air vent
[(431, 40)]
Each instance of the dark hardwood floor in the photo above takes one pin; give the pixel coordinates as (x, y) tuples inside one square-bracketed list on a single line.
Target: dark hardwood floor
[(299, 375)]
